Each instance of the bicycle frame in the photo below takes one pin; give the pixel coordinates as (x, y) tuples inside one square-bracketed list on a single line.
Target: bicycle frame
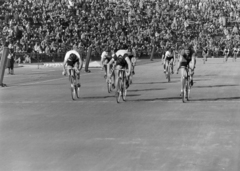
[(74, 87)]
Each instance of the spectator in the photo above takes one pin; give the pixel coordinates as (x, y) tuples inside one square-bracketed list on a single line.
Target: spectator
[(10, 62)]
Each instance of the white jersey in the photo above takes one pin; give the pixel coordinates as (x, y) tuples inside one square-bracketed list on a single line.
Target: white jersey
[(235, 50), (105, 55), (121, 52), (67, 56), (168, 54)]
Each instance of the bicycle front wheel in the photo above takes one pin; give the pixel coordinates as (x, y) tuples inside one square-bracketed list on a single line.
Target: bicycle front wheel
[(77, 91), (73, 89), (168, 73), (124, 89), (109, 87), (118, 90)]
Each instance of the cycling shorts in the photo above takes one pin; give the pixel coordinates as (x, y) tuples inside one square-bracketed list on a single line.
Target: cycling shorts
[(72, 63), (169, 58)]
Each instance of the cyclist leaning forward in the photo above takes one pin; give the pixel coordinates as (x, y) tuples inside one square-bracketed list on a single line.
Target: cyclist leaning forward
[(169, 59), (122, 59), (73, 60), (105, 58), (187, 60)]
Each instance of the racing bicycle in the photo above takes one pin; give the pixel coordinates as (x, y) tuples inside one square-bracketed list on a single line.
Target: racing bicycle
[(75, 88), (187, 86), (121, 89), (168, 71)]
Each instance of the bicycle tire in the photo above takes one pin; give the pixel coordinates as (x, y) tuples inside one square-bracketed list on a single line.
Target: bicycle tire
[(109, 87), (124, 89), (77, 90), (118, 91), (187, 89), (183, 96), (73, 93), (168, 73)]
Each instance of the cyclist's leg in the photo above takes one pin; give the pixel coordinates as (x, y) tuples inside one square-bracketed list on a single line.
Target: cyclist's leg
[(183, 78), (116, 72)]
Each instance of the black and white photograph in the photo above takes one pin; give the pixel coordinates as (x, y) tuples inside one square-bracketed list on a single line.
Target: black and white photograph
[(119, 85)]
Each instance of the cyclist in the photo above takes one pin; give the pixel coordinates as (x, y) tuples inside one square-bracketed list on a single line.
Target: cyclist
[(73, 60), (105, 58), (133, 59), (122, 59), (168, 59), (226, 52), (235, 52), (187, 60), (205, 53)]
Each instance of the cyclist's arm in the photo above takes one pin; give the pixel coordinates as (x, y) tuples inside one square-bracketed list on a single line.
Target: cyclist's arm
[(174, 57), (80, 60), (65, 61), (129, 65), (163, 58), (180, 61), (193, 61), (102, 58)]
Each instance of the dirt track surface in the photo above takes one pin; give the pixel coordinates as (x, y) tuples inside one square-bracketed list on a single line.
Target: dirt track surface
[(42, 129)]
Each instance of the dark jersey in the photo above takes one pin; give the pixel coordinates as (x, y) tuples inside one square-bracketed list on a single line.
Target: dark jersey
[(186, 59)]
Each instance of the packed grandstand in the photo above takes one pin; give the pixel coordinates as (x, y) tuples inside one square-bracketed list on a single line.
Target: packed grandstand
[(51, 27)]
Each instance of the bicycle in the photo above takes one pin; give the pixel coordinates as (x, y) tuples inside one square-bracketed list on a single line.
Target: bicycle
[(109, 82), (75, 88), (187, 87), (121, 89), (168, 70)]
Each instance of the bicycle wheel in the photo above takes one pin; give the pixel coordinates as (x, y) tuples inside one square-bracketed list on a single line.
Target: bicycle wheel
[(73, 91), (187, 91), (118, 90), (77, 91), (109, 86), (124, 88), (183, 96), (168, 73)]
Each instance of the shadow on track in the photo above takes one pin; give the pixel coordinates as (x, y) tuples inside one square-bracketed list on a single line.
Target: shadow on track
[(217, 99), (167, 99), (217, 86), (106, 97), (151, 89), (175, 81)]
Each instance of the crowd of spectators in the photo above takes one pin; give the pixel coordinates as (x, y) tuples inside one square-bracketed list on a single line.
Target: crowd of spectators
[(55, 26)]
